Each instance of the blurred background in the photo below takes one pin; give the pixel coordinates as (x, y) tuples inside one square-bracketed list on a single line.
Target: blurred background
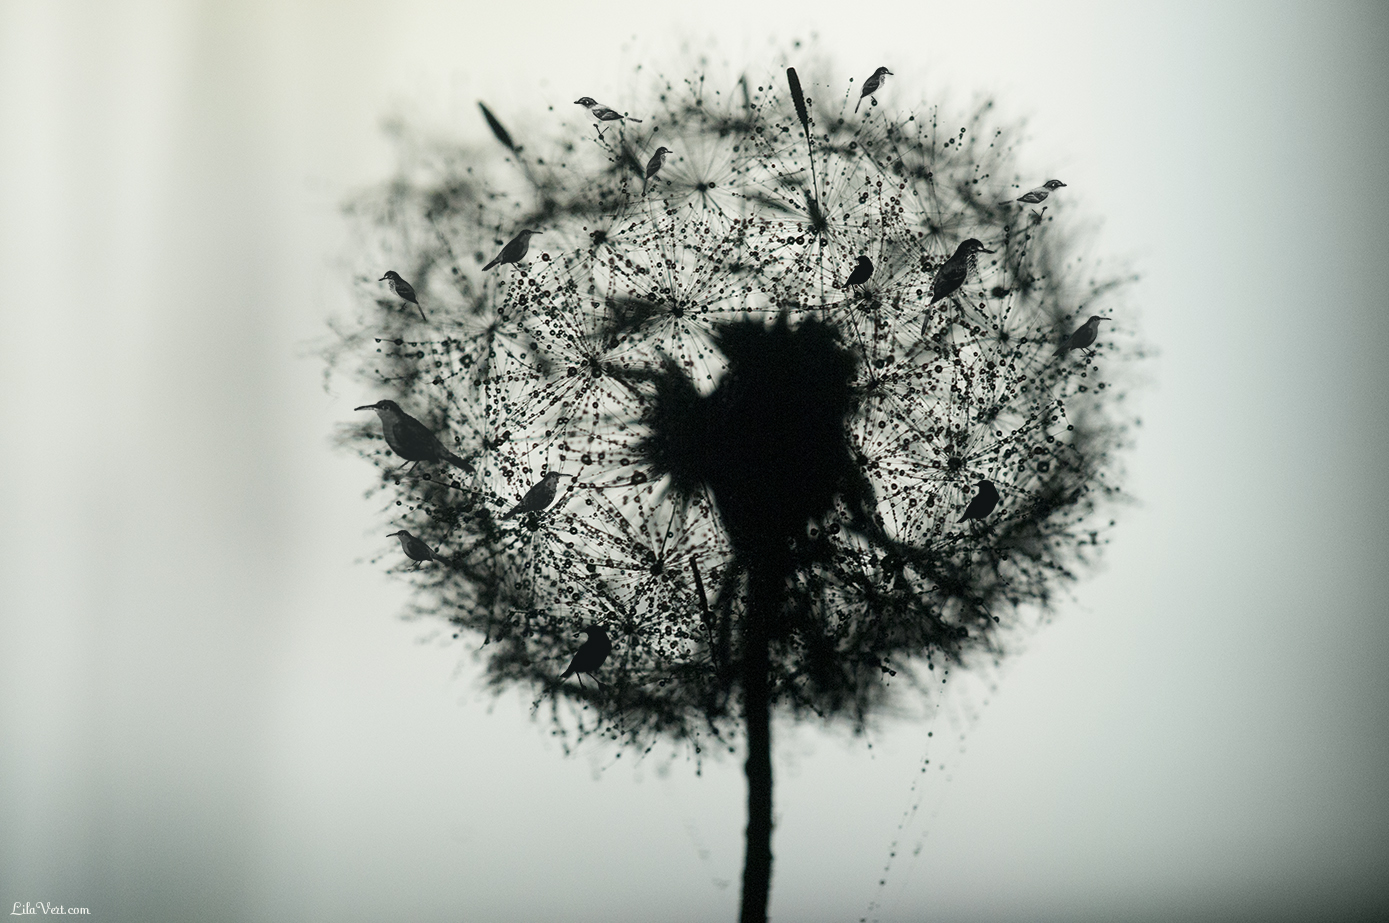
[(210, 708)]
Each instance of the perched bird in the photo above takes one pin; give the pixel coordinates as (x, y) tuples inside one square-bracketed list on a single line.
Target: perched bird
[(415, 549), (862, 272), (1033, 196), (872, 85), (653, 166), (515, 249), (590, 655), (403, 289), (954, 271), (601, 112), (411, 439), (538, 497), (1084, 337), (983, 503)]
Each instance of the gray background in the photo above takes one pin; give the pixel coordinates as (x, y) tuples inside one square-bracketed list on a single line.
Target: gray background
[(210, 710)]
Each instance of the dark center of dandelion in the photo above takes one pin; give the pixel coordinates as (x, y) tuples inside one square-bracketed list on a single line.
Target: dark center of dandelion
[(955, 463), (595, 367), (770, 441), (599, 237)]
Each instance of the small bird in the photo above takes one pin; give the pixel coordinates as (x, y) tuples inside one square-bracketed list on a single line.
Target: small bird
[(1033, 196), (590, 655), (601, 112), (514, 251), (403, 289), (411, 439), (872, 85), (983, 503), (954, 271), (538, 497), (862, 272), (1084, 337), (653, 166), (415, 549)]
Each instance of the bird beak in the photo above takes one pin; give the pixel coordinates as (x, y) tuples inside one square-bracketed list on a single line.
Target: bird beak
[(382, 279), (1104, 318), (985, 250), (365, 407)]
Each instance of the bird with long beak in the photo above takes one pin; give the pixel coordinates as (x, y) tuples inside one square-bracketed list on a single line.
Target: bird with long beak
[(590, 655), (403, 289), (538, 497), (1033, 196), (602, 113), (1084, 337), (415, 549), (514, 251), (954, 271), (411, 439), (983, 503), (872, 85)]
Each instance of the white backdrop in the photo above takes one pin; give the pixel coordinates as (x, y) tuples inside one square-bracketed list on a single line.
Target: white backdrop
[(210, 710)]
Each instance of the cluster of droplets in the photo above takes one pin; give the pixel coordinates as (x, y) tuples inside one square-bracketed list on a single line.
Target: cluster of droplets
[(761, 210)]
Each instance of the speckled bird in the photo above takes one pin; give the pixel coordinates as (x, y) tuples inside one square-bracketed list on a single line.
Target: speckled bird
[(653, 166), (954, 271), (403, 289)]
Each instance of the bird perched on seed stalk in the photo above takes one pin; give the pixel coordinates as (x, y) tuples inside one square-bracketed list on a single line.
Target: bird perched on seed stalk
[(538, 497), (590, 655), (1033, 196), (403, 289), (415, 549), (653, 166), (1084, 337), (983, 503), (862, 272), (514, 251), (872, 85), (411, 439), (601, 112), (954, 271)]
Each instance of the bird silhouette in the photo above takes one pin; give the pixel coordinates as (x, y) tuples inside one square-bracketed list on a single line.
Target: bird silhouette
[(538, 497), (601, 112), (590, 655), (1033, 196), (872, 85), (411, 439), (653, 166), (415, 549), (954, 271), (403, 289), (862, 272), (983, 503), (514, 251), (1084, 337)]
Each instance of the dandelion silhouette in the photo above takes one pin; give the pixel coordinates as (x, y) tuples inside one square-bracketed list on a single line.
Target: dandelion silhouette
[(766, 470)]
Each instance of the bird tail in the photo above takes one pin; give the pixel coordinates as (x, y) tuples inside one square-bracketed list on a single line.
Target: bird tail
[(859, 103), (513, 511), (567, 673), (459, 462), (493, 263), (630, 119), (421, 310)]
